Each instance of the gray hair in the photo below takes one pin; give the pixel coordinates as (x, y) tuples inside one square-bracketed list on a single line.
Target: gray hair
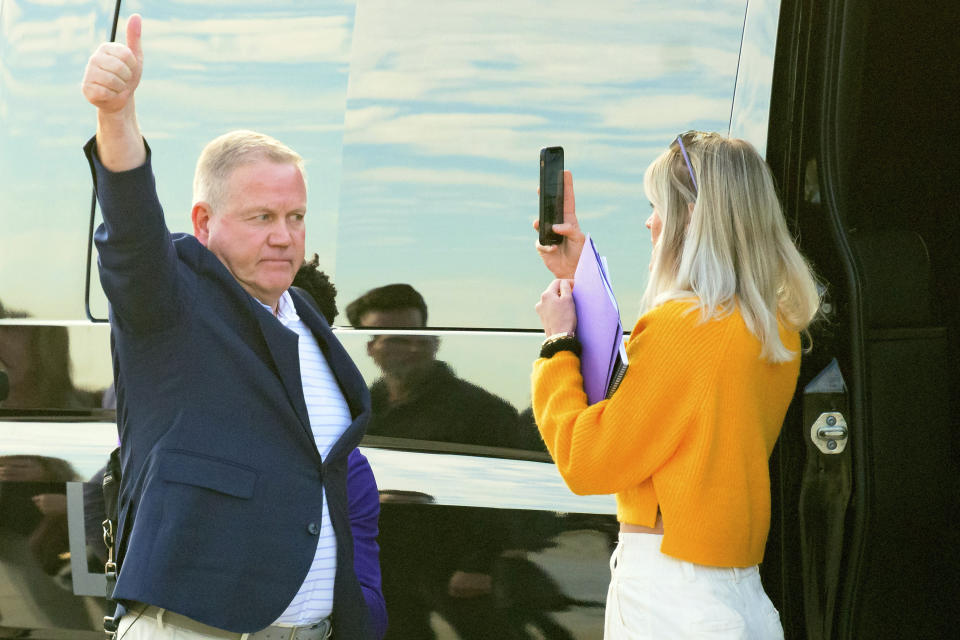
[(231, 150)]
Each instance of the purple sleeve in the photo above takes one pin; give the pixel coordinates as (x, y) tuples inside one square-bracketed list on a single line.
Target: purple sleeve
[(364, 506)]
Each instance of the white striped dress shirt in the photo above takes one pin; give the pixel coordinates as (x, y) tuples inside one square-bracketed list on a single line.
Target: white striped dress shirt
[(329, 418)]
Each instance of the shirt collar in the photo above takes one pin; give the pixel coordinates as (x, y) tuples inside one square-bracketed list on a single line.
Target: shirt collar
[(286, 311)]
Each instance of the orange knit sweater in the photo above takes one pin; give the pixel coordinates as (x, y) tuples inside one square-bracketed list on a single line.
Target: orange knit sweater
[(690, 431)]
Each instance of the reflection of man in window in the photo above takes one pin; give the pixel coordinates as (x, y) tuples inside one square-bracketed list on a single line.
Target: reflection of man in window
[(443, 563), (418, 395)]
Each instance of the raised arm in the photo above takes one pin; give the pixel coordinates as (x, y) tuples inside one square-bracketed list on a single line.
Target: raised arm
[(111, 77), (561, 259), (136, 256)]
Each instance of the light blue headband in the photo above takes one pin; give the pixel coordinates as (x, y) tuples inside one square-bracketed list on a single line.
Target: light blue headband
[(686, 158)]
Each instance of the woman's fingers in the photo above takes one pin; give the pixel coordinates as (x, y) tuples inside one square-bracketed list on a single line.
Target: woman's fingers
[(569, 202), (546, 249), (565, 229)]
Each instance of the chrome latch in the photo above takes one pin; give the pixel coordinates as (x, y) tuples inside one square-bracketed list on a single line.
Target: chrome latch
[(829, 432)]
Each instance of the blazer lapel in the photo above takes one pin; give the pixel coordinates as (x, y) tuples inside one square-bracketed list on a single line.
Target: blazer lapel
[(351, 382), (283, 346)]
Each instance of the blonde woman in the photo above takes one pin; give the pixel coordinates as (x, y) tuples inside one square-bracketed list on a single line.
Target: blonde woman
[(684, 443)]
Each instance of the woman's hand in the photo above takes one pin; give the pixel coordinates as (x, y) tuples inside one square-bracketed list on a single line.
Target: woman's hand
[(558, 312), (562, 258)]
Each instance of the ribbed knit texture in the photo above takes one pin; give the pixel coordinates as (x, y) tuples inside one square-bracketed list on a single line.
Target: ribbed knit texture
[(690, 430)]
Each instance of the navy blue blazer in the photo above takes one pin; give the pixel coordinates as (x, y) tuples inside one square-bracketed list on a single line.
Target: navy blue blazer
[(221, 499)]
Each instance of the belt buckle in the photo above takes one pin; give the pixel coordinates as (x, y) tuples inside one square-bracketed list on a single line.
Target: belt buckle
[(323, 624)]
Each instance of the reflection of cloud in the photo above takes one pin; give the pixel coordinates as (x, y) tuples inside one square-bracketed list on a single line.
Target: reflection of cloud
[(496, 183), (37, 43), (59, 3), (632, 126), (501, 81), (657, 111), (492, 135), (408, 175), (494, 54), (314, 109), (256, 39)]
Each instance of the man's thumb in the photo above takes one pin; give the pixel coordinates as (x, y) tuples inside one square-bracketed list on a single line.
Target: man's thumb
[(134, 30)]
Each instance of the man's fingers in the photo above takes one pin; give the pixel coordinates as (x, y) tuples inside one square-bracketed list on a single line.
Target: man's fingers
[(105, 86), (134, 31), (117, 65), (565, 287)]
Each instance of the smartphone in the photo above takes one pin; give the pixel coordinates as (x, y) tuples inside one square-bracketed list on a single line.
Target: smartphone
[(551, 194)]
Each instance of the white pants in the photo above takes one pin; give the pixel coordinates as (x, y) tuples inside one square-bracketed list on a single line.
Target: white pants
[(655, 596)]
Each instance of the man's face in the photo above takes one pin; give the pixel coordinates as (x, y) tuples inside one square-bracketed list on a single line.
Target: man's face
[(258, 231), (398, 355)]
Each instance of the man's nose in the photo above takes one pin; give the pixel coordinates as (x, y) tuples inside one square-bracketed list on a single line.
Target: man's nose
[(280, 234)]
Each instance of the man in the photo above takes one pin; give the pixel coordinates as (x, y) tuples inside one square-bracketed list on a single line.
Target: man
[(245, 509), (418, 395), (444, 563)]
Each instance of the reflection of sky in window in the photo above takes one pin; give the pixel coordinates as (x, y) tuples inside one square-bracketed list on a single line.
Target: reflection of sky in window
[(449, 104), (44, 185), (278, 67)]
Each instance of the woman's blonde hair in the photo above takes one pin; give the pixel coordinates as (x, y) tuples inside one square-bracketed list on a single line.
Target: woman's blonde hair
[(227, 152), (724, 240)]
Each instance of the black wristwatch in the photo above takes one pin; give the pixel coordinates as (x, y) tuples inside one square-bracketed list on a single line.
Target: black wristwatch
[(557, 342)]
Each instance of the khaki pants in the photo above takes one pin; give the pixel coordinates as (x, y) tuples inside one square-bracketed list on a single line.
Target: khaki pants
[(655, 596), (135, 626)]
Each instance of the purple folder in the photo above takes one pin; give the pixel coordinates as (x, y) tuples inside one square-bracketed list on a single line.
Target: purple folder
[(604, 359)]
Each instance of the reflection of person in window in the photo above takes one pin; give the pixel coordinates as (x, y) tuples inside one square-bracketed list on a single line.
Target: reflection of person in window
[(419, 396), (36, 360), (35, 590)]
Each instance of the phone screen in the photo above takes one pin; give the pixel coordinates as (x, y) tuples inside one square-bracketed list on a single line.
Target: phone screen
[(551, 193)]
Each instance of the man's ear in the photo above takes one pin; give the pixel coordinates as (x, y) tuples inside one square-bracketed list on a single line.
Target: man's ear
[(200, 214)]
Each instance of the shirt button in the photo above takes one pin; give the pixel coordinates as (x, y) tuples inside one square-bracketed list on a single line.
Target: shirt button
[(313, 529)]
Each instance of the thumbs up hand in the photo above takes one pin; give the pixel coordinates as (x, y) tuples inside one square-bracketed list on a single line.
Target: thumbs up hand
[(113, 71)]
